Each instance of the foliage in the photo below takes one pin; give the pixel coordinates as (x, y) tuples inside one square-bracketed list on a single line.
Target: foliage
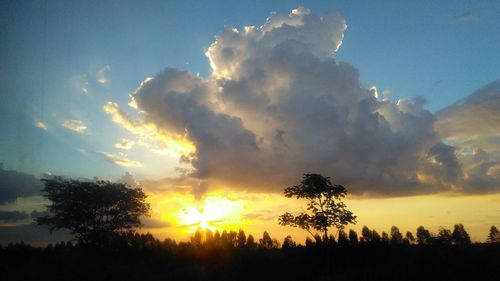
[(494, 235), (93, 211), (460, 236), (396, 236), (325, 207), (288, 242), (423, 236)]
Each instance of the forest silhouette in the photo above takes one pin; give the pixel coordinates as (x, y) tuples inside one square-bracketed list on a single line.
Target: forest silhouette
[(103, 218)]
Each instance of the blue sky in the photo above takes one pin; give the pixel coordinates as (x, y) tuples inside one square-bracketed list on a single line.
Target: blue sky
[(441, 50)]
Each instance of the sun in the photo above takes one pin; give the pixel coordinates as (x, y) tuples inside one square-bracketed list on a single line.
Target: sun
[(213, 213)]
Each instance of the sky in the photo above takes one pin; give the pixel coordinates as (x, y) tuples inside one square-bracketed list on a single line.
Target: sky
[(213, 107)]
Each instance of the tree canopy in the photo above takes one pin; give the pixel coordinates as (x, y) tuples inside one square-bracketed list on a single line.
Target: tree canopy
[(325, 206), (92, 210)]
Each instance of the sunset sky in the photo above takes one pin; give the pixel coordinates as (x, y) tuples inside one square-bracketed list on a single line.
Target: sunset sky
[(214, 107)]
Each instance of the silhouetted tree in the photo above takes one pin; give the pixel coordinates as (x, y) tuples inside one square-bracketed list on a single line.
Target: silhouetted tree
[(343, 239), (353, 237), (196, 239), (444, 237), (317, 238), (288, 242), (209, 237), (331, 239), (225, 240), (385, 238), (242, 239), (217, 238), (251, 241), (232, 238), (325, 206), (309, 242), (409, 236), (494, 235), (423, 236), (266, 242), (93, 211), (460, 236), (376, 237), (366, 235), (396, 236)]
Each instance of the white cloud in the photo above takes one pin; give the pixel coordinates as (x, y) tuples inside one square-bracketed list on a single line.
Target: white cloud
[(129, 180), (125, 144), (41, 125), (278, 105), (102, 77), (75, 125), (80, 83), (120, 159)]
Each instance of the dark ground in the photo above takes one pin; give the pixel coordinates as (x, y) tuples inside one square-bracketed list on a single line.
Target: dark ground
[(169, 261)]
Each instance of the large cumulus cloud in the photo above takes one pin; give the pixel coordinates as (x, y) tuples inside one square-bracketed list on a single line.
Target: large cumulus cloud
[(277, 104), (472, 127)]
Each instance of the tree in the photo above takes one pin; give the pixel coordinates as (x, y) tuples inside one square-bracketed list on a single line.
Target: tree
[(366, 235), (385, 238), (197, 238), (343, 239), (266, 242), (288, 243), (396, 236), (460, 236), (251, 242), (444, 236), (93, 211), (325, 207), (494, 235), (353, 237), (242, 239), (410, 237), (423, 236), (376, 237)]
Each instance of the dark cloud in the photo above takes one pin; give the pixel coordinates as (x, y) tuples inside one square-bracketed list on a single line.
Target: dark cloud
[(15, 184), (31, 234), (278, 105), (12, 216), (155, 223)]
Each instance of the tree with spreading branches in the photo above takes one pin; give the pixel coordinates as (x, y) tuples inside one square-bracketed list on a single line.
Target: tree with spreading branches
[(94, 211), (325, 205)]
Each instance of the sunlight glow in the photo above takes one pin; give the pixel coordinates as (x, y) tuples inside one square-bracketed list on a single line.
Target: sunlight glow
[(214, 213)]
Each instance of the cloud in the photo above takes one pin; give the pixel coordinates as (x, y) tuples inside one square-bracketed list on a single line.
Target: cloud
[(467, 16), (471, 126), (80, 83), (476, 115), (129, 180), (277, 105), (41, 125), (101, 75), (75, 125), (155, 223), (157, 140), (119, 159), (12, 216), (14, 184), (125, 144), (32, 234)]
